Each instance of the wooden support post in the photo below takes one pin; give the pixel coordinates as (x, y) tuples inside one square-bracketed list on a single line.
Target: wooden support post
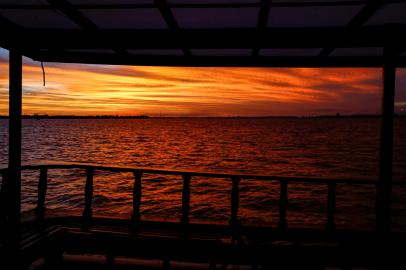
[(185, 200), (331, 207), (14, 154), (283, 203), (383, 202), (137, 193), (87, 212), (42, 192)]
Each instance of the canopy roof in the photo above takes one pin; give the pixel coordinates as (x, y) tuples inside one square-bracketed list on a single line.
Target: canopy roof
[(297, 33)]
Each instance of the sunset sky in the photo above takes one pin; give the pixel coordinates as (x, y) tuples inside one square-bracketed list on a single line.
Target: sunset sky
[(169, 91)]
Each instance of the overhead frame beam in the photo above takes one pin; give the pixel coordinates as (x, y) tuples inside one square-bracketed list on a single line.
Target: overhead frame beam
[(205, 39), (7, 24), (77, 17), (73, 14), (207, 61), (262, 20), (358, 20), (170, 20), (363, 16), (198, 5)]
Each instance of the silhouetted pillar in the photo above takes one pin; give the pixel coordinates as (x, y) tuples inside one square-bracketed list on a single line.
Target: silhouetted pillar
[(14, 154), (383, 211)]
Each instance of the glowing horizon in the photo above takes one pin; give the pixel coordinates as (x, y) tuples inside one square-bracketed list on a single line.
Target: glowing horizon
[(73, 89)]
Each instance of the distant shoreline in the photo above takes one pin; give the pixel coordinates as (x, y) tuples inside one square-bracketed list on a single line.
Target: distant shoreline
[(174, 117)]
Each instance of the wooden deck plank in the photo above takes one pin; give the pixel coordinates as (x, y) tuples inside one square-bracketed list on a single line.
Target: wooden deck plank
[(160, 241)]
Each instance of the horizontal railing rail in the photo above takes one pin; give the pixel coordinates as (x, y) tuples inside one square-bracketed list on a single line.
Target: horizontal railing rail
[(67, 165), (187, 177)]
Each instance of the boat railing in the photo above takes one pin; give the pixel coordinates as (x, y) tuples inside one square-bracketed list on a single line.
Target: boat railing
[(186, 177)]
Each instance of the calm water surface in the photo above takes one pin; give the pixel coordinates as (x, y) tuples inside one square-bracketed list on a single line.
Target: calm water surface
[(335, 148)]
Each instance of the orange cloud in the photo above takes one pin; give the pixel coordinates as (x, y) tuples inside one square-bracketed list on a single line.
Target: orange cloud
[(178, 91)]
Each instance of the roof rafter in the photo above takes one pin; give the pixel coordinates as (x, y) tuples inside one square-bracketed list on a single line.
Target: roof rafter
[(88, 44), (7, 24), (170, 19), (77, 17), (262, 20), (358, 20), (73, 14)]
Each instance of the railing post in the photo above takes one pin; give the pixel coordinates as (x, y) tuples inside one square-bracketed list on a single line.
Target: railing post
[(331, 207), (185, 200), (283, 203), (235, 200), (136, 216), (87, 212), (42, 191)]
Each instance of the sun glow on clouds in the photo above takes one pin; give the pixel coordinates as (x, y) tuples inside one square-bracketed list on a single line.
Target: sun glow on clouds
[(125, 90)]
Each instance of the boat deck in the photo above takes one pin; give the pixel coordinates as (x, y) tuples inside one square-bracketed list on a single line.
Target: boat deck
[(62, 242), (56, 240)]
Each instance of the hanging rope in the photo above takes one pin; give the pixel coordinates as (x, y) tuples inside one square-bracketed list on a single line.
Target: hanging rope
[(43, 72)]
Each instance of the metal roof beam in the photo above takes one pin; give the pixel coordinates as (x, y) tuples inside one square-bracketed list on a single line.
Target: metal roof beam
[(170, 19), (262, 20), (207, 39), (364, 14), (207, 61), (358, 20), (7, 24), (73, 14), (77, 17)]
